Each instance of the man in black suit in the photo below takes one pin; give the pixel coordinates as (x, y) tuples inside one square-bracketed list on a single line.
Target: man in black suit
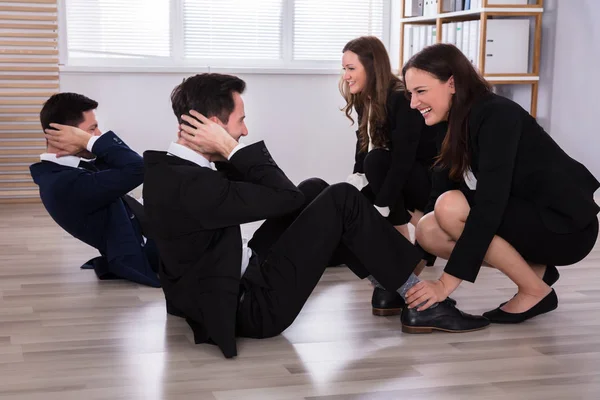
[(88, 198), (224, 287)]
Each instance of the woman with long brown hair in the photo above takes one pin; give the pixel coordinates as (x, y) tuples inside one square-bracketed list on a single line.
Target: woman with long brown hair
[(504, 192), (394, 149)]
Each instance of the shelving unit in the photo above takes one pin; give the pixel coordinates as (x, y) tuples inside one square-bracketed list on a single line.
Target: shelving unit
[(484, 14)]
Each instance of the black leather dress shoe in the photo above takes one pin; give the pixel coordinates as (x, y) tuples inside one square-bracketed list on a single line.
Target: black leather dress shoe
[(386, 303), (444, 317), (547, 304)]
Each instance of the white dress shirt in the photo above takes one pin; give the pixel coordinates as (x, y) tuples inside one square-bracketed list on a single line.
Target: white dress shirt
[(181, 151), (470, 179)]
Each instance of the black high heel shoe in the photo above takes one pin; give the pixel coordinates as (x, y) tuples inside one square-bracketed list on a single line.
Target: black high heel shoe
[(547, 304)]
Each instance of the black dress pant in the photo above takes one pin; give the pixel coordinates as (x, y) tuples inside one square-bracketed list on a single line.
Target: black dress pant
[(523, 227), (340, 219), (414, 195)]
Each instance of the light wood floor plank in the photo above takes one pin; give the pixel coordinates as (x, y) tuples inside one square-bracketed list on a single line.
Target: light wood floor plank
[(65, 335)]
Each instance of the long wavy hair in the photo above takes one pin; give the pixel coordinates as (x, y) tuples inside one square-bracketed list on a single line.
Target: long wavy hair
[(380, 81), (445, 61)]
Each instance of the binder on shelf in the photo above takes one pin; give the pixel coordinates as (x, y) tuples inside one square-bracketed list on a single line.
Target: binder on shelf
[(473, 54), (452, 27), (459, 34), (448, 5), (430, 8), (408, 42), (466, 32), (413, 8), (505, 2), (507, 46), (445, 33)]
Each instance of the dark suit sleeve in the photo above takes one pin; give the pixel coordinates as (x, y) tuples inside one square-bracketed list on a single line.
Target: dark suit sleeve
[(124, 172), (405, 139), (263, 192), (497, 133), (359, 158)]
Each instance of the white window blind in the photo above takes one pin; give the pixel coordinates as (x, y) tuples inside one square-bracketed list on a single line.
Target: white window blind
[(322, 28), (217, 33), (233, 29), (118, 28)]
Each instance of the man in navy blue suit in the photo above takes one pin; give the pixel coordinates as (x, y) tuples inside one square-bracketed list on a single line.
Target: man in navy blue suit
[(84, 178)]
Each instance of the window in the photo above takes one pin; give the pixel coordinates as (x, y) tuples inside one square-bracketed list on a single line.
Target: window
[(234, 29), (217, 33), (322, 28), (118, 29)]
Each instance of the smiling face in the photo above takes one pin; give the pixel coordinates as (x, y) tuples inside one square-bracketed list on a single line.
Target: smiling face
[(429, 95), (354, 72)]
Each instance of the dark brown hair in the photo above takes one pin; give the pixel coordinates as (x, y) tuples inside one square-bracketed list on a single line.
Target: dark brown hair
[(380, 81), (444, 61), (66, 109), (209, 94)]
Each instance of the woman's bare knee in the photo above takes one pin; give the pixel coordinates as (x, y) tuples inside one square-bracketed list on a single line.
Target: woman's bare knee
[(451, 211), (427, 231), (432, 238)]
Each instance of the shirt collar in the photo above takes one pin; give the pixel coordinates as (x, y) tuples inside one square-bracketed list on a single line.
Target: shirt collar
[(67, 161), (186, 153)]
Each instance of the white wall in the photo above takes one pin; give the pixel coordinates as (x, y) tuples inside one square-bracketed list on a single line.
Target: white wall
[(297, 115), (575, 81)]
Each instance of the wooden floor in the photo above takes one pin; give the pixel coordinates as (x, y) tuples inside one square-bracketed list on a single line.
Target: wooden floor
[(65, 335)]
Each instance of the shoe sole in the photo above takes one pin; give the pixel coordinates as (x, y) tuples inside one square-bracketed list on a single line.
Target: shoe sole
[(430, 329), (386, 312)]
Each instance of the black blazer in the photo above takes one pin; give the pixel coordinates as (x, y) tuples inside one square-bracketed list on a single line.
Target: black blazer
[(195, 214), (89, 205), (410, 141), (511, 155)]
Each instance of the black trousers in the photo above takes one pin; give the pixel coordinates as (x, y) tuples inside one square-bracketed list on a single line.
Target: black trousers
[(523, 227), (414, 195), (339, 220)]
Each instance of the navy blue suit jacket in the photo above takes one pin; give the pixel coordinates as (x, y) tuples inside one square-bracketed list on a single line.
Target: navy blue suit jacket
[(89, 206)]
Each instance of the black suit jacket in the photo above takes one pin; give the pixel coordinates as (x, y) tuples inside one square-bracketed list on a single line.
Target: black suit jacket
[(410, 141), (195, 213), (511, 155), (88, 205)]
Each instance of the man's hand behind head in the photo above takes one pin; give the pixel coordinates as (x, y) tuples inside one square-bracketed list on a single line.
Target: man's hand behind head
[(68, 140), (206, 137)]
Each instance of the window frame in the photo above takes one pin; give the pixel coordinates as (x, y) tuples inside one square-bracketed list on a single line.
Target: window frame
[(178, 64)]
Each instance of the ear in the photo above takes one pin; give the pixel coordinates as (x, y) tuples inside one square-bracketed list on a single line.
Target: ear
[(217, 121), (451, 85)]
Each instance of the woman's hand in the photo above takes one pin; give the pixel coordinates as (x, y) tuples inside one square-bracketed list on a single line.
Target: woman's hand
[(425, 294)]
